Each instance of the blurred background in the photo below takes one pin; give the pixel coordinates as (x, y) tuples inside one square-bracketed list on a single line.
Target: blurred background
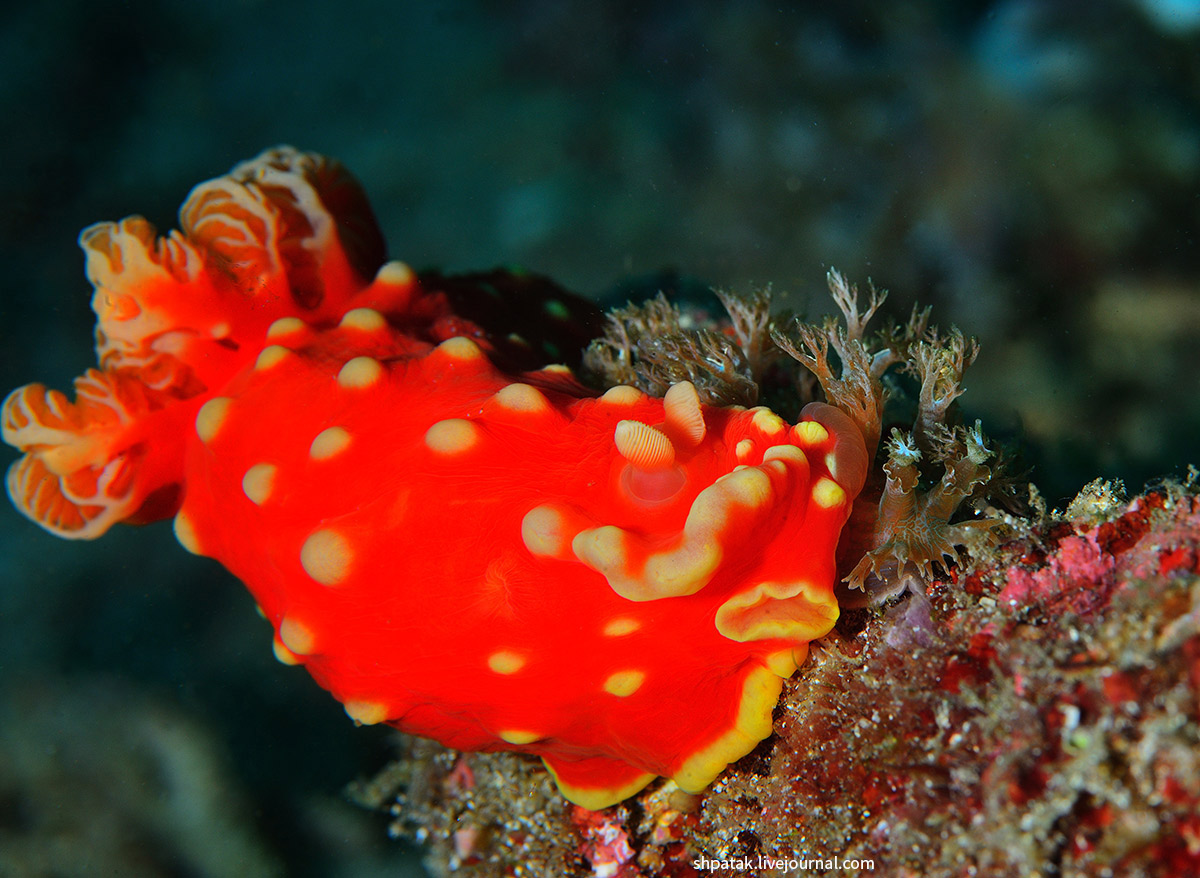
[(1029, 169)]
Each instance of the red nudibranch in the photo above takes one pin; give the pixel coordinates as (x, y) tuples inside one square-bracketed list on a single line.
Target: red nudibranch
[(465, 547)]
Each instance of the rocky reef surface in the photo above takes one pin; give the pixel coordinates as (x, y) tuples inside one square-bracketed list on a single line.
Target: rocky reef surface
[(1034, 713)]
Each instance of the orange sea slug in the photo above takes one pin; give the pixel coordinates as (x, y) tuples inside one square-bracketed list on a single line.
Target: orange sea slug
[(451, 533)]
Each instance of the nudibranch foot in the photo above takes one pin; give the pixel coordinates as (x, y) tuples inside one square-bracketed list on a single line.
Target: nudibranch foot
[(596, 782)]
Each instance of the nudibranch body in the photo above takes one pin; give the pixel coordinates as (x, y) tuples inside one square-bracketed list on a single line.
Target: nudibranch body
[(450, 540)]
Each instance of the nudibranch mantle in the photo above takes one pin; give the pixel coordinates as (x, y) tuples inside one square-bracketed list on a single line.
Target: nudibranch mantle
[(450, 538)]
